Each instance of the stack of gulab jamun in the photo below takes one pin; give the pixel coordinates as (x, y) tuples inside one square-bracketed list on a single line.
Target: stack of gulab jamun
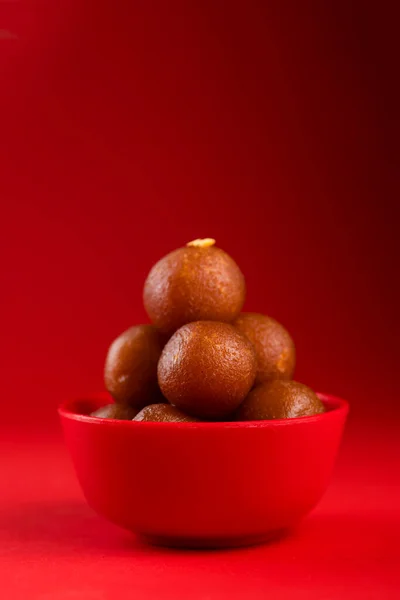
[(202, 359)]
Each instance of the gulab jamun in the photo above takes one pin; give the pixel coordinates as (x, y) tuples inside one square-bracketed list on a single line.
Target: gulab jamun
[(164, 413), (130, 372), (122, 412), (275, 349), (279, 399), (199, 282), (207, 368)]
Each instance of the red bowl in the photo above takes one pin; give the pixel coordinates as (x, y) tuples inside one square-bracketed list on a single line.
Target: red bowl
[(203, 484)]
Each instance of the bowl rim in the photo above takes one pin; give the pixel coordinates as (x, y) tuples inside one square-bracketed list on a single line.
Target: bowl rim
[(336, 406)]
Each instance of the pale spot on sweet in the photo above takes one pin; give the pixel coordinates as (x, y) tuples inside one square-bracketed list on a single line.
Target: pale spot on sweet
[(281, 363)]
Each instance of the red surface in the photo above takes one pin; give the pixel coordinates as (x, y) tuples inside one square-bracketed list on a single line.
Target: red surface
[(124, 132), (233, 484)]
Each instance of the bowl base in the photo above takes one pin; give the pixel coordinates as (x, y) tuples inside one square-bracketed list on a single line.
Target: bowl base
[(210, 543)]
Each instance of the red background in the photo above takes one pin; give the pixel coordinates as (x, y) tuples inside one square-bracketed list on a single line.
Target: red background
[(127, 131)]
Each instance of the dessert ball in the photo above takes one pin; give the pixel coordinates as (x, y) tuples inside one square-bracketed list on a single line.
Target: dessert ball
[(123, 412), (207, 368), (199, 282), (130, 372), (275, 350), (164, 412), (279, 399)]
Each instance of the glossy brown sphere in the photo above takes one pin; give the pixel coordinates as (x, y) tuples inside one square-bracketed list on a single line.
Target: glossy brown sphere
[(122, 412), (164, 412), (130, 372), (279, 400), (275, 350), (206, 369), (194, 283)]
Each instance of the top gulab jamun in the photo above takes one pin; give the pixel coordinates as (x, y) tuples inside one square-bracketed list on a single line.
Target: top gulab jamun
[(130, 372), (206, 369), (199, 282), (275, 349)]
